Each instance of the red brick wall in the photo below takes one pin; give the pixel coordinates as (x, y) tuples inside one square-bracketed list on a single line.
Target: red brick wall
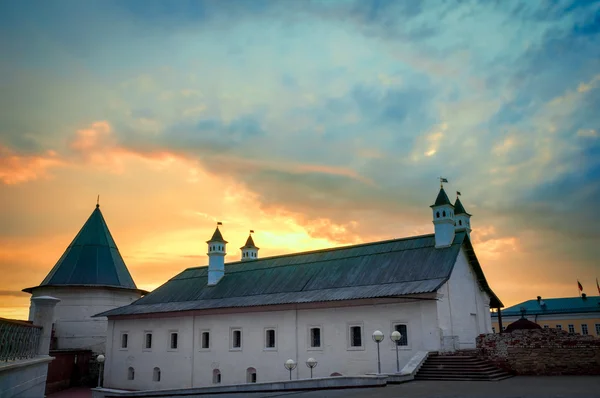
[(542, 352)]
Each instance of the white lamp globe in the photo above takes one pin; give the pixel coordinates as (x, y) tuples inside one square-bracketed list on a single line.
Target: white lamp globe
[(290, 363), (311, 362), (377, 336), (396, 336), (100, 358)]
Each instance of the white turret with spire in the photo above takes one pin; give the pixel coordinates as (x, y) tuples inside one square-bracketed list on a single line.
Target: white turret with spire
[(443, 218), (217, 251), (249, 250), (462, 219)]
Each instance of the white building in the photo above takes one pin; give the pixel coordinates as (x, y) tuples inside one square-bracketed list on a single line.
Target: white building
[(90, 277), (240, 321)]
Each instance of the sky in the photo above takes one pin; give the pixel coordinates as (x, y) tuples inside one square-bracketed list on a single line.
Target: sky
[(314, 123)]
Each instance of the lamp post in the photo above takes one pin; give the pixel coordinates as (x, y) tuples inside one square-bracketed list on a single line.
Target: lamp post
[(396, 336), (100, 358), (290, 365), (378, 338), (311, 363)]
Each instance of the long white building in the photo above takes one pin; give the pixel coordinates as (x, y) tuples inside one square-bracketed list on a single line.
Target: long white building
[(237, 322)]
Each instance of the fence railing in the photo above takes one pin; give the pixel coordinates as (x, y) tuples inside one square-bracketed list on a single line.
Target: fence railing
[(18, 339)]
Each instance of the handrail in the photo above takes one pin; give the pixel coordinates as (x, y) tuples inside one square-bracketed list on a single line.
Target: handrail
[(18, 339)]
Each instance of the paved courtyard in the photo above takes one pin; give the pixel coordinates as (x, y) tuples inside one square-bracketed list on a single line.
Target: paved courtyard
[(515, 387)]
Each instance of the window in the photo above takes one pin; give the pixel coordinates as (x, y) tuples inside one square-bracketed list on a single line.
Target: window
[(173, 341), (124, 340), (437, 214), (216, 376), (459, 222), (156, 374), (598, 329), (444, 213), (270, 338), (571, 328), (355, 339), (205, 340), (236, 339), (403, 329), (130, 373), (147, 340), (315, 337), (559, 327), (546, 326), (584, 329), (493, 329), (503, 328), (250, 375)]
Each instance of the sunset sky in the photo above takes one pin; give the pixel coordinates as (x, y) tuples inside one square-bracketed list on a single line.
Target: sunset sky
[(315, 123)]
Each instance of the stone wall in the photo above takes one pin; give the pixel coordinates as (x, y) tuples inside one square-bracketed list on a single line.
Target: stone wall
[(542, 352)]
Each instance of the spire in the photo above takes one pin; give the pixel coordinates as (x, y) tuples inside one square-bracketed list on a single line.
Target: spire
[(459, 208), (217, 237), (442, 199), (92, 258), (249, 250), (217, 250), (443, 218)]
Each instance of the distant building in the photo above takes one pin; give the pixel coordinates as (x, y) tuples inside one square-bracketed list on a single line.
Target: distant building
[(573, 314), (90, 277), (238, 322)]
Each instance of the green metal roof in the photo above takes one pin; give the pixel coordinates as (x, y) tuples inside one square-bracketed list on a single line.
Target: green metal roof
[(459, 208), (565, 305), (391, 268), (92, 259), (442, 199), (217, 237)]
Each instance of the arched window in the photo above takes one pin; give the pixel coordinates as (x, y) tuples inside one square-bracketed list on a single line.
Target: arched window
[(250, 375), (437, 215), (216, 376), (459, 222), (156, 374), (130, 373), (444, 213)]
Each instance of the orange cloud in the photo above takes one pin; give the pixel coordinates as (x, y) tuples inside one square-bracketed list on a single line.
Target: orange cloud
[(15, 169)]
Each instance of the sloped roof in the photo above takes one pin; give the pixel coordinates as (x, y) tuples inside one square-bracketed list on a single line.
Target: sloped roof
[(391, 268), (249, 243), (92, 259), (217, 237), (565, 305), (459, 208), (442, 199), (522, 324)]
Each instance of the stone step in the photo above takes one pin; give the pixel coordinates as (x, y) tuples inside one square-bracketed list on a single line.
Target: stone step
[(465, 378), (496, 372), (458, 368)]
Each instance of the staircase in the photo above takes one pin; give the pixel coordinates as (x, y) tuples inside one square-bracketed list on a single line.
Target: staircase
[(459, 367)]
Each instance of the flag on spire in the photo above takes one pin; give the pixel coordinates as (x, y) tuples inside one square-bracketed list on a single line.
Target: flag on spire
[(457, 193), (219, 223), (251, 231), (579, 286)]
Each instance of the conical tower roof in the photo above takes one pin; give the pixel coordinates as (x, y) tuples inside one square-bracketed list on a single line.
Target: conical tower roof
[(459, 208), (249, 243), (92, 259), (442, 199), (217, 237)]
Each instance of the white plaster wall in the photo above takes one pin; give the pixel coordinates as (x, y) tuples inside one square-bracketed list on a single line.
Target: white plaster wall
[(24, 378), (74, 326), (464, 309), (180, 370)]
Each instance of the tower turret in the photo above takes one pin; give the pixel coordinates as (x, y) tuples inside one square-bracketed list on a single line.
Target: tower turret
[(216, 257), (443, 219), (462, 219), (249, 250)]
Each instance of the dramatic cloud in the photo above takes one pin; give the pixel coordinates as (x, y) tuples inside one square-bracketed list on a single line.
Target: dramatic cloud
[(316, 122)]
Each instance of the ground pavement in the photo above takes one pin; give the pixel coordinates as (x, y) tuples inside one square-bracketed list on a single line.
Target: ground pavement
[(515, 387)]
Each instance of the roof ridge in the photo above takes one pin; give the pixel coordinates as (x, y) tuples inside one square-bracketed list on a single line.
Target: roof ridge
[(319, 251)]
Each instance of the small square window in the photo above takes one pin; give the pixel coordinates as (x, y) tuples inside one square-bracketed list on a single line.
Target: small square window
[(236, 339), (571, 328), (559, 327), (270, 338), (173, 340), (205, 340), (148, 340), (315, 337), (124, 340)]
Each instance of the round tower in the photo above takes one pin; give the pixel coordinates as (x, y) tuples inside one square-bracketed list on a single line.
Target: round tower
[(443, 219), (249, 250), (217, 250), (462, 219)]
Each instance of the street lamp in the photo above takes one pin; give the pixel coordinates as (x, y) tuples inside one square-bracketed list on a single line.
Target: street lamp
[(396, 336), (100, 358), (290, 365), (378, 338), (311, 363)]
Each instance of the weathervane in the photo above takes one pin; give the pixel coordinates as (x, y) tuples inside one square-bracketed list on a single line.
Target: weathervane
[(98, 201), (442, 181)]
